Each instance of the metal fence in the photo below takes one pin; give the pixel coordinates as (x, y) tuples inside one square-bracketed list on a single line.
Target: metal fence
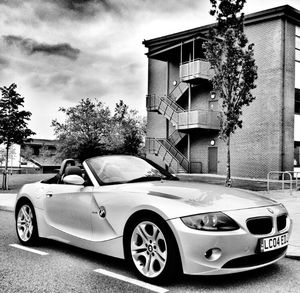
[(289, 178)]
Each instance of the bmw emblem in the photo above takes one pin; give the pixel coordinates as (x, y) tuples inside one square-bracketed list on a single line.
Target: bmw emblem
[(270, 210), (102, 212)]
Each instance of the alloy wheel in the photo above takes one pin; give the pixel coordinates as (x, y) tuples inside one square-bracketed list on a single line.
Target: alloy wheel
[(149, 249), (25, 223)]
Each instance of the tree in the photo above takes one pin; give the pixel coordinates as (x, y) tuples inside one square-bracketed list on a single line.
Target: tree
[(45, 152), (232, 59), (2, 156), (13, 123), (90, 130), (85, 130), (131, 128)]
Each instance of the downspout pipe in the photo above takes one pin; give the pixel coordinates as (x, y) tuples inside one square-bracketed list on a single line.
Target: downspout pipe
[(283, 97)]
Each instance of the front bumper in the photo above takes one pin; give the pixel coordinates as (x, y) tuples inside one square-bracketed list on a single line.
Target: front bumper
[(238, 249)]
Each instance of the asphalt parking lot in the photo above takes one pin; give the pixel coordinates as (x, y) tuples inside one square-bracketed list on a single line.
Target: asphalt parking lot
[(57, 267)]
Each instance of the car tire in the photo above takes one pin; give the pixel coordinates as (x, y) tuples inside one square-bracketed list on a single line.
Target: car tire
[(26, 224), (151, 250)]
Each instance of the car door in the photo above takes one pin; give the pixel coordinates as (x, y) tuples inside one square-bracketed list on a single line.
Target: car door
[(103, 207), (68, 209)]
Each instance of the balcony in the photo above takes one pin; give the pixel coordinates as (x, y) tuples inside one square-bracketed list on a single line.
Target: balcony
[(205, 119), (197, 69), (182, 119)]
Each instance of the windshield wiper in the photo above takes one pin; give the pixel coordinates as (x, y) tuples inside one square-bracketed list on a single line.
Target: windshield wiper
[(146, 178)]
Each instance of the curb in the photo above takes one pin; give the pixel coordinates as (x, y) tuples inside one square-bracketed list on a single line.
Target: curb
[(6, 209), (7, 201), (293, 256), (293, 252)]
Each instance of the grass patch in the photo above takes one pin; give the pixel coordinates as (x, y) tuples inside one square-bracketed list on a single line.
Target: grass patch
[(16, 181)]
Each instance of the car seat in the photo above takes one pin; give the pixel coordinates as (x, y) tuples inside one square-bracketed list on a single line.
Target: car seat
[(73, 170)]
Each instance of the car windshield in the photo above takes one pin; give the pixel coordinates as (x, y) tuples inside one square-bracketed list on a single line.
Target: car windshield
[(124, 169)]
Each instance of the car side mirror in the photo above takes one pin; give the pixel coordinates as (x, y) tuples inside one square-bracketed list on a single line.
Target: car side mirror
[(73, 179)]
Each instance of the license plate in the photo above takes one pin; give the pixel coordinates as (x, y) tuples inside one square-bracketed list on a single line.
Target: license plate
[(274, 242)]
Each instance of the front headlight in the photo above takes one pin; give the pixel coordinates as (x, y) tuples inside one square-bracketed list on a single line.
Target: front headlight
[(210, 222)]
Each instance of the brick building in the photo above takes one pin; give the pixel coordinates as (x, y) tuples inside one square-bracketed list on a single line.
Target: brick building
[(39, 155), (182, 110), (36, 156)]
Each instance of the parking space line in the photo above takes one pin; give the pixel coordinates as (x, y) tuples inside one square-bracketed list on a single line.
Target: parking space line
[(132, 281), (28, 249)]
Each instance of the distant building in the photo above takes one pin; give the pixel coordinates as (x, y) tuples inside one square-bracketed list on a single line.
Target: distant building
[(31, 157), (13, 156), (182, 120)]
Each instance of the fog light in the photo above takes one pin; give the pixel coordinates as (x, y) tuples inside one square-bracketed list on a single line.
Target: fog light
[(213, 254)]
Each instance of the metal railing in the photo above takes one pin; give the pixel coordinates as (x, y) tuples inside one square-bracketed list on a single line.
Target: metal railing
[(199, 119), (195, 167), (177, 155), (178, 91), (283, 181), (176, 137), (197, 68), (175, 159), (170, 154), (154, 147), (153, 101), (165, 106), (183, 119), (172, 103)]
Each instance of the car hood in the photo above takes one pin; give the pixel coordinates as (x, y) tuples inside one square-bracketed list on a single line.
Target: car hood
[(208, 197)]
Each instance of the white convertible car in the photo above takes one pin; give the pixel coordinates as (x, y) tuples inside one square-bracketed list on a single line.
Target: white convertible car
[(125, 207)]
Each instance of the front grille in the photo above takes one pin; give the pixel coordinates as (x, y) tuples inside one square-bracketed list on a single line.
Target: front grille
[(259, 226), (255, 259), (281, 222)]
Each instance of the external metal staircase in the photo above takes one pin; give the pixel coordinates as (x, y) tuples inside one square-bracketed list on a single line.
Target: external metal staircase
[(175, 160), (166, 148), (182, 120), (165, 106), (163, 147), (178, 91), (176, 137)]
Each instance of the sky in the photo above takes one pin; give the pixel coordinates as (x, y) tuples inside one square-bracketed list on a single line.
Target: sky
[(61, 51)]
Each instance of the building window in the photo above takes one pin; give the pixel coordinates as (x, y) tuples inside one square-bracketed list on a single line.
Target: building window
[(297, 155), (297, 100), (36, 150)]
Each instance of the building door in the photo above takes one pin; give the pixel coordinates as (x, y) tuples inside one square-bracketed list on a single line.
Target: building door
[(213, 160)]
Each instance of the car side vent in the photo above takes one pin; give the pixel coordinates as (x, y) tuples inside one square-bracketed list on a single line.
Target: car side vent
[(281, 222), (260, 226)]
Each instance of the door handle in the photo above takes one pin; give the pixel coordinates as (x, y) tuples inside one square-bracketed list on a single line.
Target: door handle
[(48, 195)]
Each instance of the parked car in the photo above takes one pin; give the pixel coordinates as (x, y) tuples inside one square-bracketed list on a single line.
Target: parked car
[(125, 207)]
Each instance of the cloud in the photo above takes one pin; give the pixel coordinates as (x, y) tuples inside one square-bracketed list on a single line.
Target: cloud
[(77, 10), (64, 50), (9, 3), (44, 81), (87, 10), (85, 87), (31, 47), (110, 64), (3, 62), (88, 7), (59, 79)]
